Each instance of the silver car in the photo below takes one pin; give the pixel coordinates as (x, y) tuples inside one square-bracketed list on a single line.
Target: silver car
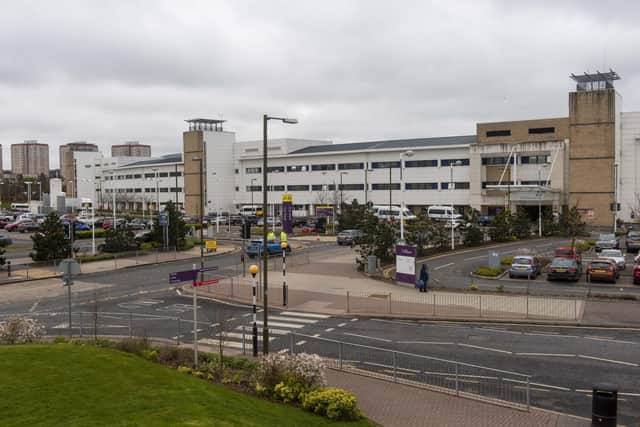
[(616, 256), (606, 241), (349, 237)]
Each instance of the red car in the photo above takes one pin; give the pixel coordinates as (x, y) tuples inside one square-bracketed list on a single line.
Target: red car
[(636, 274), (14, 225), (568, 252), (3, 223)]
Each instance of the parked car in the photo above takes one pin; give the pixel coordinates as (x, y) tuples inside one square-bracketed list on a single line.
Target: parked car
[(485, 220), (636, 273), (603, 269), (564, 268), (28, 227), (81, 227), (256, 247), (607, 241), (106, 223), (614, 255), (270, 221), (14, 225), (568, 252), (349, 237), (136, 224), (525, 265), (3, 223), (633, 241), (144, 236)]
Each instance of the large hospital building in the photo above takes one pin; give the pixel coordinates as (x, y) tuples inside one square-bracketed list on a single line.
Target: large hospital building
[(588, 159)]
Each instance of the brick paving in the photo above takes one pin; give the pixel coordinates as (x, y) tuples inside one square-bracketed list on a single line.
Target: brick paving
[(398, 405)]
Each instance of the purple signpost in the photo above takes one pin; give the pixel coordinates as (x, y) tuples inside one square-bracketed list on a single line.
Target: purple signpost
[(287, 213), (406, 264)]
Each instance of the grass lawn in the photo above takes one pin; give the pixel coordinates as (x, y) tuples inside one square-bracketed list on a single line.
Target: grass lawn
[(70, 385)]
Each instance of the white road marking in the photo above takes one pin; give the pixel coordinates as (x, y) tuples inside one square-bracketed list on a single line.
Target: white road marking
[(247, 315), (397, 322), (284, 350), (426, 342), (504, 331), (300, 342), (619, 362), (443, 266), (629, 394), (474, 257), (329, 329), (289, 319), (286, 325), (550, 335), (229, 320), (232, 344), (315, 335), (546, 354), (497, 350), (369, 338), (312, 315), (355, 319), (341, 325), (239, 335), (609, 340), (33, 307), (555, 387), (581, 390), (271, 331)]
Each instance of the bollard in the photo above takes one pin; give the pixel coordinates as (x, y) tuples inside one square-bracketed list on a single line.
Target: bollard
[(27, 265), (8, 268), (340, 355), (130, 325), (347, 301), (178, 331), (389, 302), (293, 342), (244, 341)]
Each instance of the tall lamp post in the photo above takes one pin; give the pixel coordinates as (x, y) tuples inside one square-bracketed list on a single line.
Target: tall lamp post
[(407, 154), (341, 192), (540, 187), (366, 184), (265, 267), (451, 188)]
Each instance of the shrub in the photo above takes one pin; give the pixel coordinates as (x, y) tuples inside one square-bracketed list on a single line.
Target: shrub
[(59, 340), (289, 377), (87, 234), (473, 287), (583, 246), (133, 345), (184, 369), (151, 355), (488, 271), (500, 288), (175, 356), (20, 330), (508, 260), (334, 403)]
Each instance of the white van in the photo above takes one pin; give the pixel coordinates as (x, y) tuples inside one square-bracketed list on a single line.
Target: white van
[(386, 212), (443, 213), (251, 210)]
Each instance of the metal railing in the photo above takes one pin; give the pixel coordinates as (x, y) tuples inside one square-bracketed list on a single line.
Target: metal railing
[(457, 378)]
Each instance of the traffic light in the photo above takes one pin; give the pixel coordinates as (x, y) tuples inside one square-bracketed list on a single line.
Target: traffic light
[(245, 230), (67, 230)]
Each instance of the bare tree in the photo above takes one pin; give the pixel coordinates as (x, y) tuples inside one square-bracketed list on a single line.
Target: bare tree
[(221, 316)]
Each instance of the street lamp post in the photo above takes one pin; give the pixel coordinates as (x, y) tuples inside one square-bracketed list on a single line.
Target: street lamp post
[(366, 184), (407, 153), (544, 165), (341, 192), (451, 188), (265, 269)]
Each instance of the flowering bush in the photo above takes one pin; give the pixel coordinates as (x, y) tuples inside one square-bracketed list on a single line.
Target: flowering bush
[(289, 377), (20, 330), (334, 403)]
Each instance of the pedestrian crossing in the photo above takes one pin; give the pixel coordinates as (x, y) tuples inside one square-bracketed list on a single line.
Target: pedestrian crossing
[(280, 324)]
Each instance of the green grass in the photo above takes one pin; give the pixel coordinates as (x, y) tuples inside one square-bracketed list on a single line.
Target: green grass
[(70, 385)]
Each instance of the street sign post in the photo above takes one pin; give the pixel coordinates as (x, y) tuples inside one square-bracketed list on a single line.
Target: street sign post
[(69, 268), (183, 276)]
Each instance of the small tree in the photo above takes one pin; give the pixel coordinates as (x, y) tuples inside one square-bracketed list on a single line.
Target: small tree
[(571, 224), (419, 233), (501, 227), (176, 227), (439, 234), (521, 224), (379, 239), (49, 243), (119, 239), (351, 216)]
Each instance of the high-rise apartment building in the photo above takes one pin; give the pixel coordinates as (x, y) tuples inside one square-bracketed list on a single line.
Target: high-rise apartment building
[(131, 149), (66, 156), (30, 159)]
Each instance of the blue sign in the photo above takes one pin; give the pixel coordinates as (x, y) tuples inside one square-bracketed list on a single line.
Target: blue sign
[(163, 219), (212, 268), (183, 276)]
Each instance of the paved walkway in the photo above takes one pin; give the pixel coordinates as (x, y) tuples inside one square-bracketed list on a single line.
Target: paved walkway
[(398, 405)]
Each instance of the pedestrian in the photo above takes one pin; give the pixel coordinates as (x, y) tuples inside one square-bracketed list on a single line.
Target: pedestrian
[(424, 278)]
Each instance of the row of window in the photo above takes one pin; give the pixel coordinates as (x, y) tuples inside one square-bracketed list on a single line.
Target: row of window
[(525, 160), (360, 187), (146, 175), (146, 190), (532, 131), (355, 166), (534, 182)]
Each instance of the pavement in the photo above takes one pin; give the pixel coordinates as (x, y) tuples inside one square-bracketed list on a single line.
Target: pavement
[(398, 405)]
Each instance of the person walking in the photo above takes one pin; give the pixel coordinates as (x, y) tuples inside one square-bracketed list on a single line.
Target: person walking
[(424, 278)]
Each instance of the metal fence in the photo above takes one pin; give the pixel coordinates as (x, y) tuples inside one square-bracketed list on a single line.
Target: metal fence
[(461, 379), (432, 304)]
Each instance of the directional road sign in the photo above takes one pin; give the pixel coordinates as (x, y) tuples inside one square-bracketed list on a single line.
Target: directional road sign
[(183, 276), (212, 268), (206, 282)]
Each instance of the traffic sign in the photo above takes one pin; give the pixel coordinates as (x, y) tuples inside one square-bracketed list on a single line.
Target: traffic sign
[(206, 282), (212, 268), (183, 276), (211, 244), (163, 219), (69, 268)]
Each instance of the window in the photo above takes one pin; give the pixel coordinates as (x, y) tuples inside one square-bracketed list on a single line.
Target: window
[(149, 175), (237, 171), (87, 166), (323, 187), (137, 176), (120, 177), (253, 170), (254, 187), (174, 174), (420, 163), (486, 183), (534, 160), (97, 178), (177, 189), (138, 190), (352, 187), (316, 187), (448, 162), (164, 174), (275, 188), (421, 186), (129, 190), (383, 165), (164, 189), (98, 165), (325, 167), (504, 132), (237, 188), (456, 185), (297, 168), (129, 176), (385, 186), (534, 182), (150, 190), (495, 161), (297, 188), (533, 131), (276, 169), (350, 166)]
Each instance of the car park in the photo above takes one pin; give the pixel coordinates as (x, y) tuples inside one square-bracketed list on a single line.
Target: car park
[(136, 224), (525, 266), (568, 252), (14, 225), (256, 247), (564, 269), (349, 237), (28, 227), (633, 241), (607, 241), (603, 269), (614, 255)]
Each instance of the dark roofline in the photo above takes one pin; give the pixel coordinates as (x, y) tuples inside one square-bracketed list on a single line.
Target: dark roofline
[(167, 158), (131, 145), (390, 144), (207, 121)]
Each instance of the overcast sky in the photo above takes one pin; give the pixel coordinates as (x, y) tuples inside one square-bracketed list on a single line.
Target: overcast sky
[(107, 72)]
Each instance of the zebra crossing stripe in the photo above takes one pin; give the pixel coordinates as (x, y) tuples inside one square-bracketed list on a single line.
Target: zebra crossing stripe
[(290, 319), (231, 344), (300, 314)]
